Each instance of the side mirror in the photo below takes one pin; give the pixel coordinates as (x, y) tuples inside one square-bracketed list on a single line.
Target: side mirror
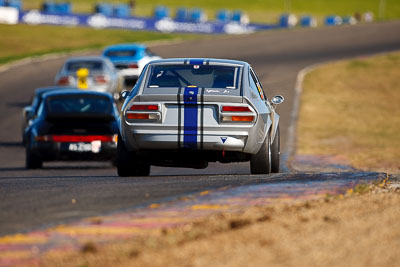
[(278, 99), (124, 95), (26, 112)]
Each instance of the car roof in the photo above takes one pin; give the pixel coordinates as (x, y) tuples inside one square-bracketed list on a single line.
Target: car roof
[(199, 61), (72, 92), (42, 90), (125, 47)]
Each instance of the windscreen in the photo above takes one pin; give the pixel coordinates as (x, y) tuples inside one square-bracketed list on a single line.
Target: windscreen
[(79, 105), (91, 65), (207, 76), (121, 53)]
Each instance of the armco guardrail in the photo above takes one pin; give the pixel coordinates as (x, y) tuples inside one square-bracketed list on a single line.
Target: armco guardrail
[(35, 17)]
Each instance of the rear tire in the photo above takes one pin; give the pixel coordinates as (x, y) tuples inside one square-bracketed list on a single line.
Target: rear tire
[(128, 164), (275, 152), (142, 169), (31, 160), (260, 163)]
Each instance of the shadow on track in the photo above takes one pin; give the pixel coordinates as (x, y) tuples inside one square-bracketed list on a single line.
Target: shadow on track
[(11, 144)]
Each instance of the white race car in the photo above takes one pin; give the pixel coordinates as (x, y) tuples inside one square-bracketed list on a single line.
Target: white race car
[(188, 112)]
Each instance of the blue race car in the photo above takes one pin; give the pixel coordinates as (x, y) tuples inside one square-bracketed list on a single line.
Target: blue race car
[(129, 59)]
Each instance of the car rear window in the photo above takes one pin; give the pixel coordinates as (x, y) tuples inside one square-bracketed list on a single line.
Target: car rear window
[(91, 65), (207, 76), (121, 53), (79, 104)]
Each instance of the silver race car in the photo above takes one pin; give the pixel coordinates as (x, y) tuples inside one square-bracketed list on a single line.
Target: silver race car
[(188, 112), (92, 73)]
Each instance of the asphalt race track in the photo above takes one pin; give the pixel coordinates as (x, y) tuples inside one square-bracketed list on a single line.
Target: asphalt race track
[(61, 192)]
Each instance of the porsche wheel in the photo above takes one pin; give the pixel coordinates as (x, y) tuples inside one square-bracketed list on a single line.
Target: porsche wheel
[(31, 160)]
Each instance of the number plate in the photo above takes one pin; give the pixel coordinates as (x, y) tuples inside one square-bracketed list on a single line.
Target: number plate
[(80, 147), (94, 147)]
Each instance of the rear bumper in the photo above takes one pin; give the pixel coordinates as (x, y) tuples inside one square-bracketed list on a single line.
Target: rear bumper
[(203, 142), (130, 73), (53, 151), (107, 87)]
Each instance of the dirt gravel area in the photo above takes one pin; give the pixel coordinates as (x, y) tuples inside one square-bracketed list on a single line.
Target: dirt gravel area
[(361, 228)]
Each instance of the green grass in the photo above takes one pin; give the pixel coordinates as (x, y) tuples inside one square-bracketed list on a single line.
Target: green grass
[(20, 41), (351, 108), (258, 10)]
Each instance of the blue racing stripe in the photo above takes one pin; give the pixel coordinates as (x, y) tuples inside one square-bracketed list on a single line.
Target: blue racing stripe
[(196, 62), (190, 122)]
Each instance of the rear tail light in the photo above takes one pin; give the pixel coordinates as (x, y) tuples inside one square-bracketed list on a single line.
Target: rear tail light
[(235, 109), (64, 80), (238, 118), (43, 138), (237, 114), (141, 116), (82, 138), (99, 79), (133, 66), (145, 107), (76, 138), (144, 112)]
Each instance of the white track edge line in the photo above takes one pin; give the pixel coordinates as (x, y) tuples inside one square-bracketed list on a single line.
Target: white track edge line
[(298, 89)]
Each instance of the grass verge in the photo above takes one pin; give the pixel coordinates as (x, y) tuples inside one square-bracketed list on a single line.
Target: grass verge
[(350, 108), (20, 41)]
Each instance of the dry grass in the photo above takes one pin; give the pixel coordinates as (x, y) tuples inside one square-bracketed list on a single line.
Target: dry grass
[(351, 108)]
